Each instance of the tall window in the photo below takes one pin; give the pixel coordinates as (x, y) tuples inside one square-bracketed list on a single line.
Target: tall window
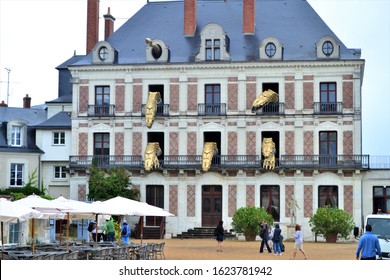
[(270, 200), (213, 99), (328, 147), (101, 149), (102, 100), (213, 49), (16, 175), (328, 97), (58, 138), (328, 195), (59, 172), (16, 135), (381, 201)]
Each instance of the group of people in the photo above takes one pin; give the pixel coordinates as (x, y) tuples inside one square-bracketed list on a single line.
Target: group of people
[(108, 233)]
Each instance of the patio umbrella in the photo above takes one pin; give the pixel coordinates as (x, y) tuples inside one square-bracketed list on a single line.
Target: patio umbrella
[(50, 208), (130, 207), (11, 212)]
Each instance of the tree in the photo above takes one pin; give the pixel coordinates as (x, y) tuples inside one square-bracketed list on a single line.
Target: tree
[(331, 222), (246, 220), (114, 182)]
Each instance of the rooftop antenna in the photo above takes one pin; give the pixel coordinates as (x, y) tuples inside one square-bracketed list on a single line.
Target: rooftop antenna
[(8, 70)]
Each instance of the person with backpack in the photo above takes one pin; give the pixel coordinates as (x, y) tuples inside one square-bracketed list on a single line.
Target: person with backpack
[(264, 235), (276, 240), (125, 232)]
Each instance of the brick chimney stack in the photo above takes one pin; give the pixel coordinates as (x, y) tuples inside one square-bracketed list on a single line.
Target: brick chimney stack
[(92, 24), (249, 17), (189, 17), (26, 102), (108, 24)]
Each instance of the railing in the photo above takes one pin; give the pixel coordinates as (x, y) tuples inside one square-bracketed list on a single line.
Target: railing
[(226, 162), (324, 161), (162, 110), (271, 109), (328, 108), (101, 110), (218, 109)]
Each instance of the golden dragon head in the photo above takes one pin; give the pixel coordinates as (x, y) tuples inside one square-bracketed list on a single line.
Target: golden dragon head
[(209, 150), (152, 152), (154, 97), (268, 96)]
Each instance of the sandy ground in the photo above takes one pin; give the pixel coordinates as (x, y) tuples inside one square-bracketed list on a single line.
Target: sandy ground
[(205, 249)]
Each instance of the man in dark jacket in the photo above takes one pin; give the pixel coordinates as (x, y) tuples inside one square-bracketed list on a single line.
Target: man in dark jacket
[(264, 237)]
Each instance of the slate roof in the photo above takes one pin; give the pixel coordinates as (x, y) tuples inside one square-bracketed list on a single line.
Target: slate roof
[(294, 23), (60, 120), (31, 116)]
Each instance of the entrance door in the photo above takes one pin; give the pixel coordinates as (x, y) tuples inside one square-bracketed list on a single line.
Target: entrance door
[(155, 197), (211, 205)]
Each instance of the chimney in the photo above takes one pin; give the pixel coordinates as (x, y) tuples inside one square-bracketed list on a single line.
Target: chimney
[(108, 24), (27, 102), (189, 17), (3, 104), (92, 24), (249, 17)]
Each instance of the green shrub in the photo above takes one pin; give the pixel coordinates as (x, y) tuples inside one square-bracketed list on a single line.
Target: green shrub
[(246, 220), (331, 220)]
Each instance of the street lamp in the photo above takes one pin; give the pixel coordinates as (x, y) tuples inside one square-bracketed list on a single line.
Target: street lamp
[(8, 70)]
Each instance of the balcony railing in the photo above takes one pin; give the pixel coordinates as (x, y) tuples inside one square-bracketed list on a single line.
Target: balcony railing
[(162, 110), (271, 109), (328, 108), (324, 162), (226, 162), (218, 109), (101, 110)]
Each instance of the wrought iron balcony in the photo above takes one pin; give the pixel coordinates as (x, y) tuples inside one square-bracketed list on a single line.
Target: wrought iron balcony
[(324, 162), (271, 109), (162, 110), (328, 108), (225, 162), (216, 109), (101, 110)]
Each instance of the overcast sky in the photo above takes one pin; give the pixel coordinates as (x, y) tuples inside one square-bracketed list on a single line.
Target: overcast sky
[(38, 35)]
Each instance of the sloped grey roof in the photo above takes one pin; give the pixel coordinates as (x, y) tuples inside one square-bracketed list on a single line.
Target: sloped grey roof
[(59, 120), (294, 23), (31, 116)]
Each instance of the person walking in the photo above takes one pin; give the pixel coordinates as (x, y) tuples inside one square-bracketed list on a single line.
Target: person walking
[(368, 246), (125, 232), (276, 240), (220, 235), (298, 245), (264, 235), (109, 228)]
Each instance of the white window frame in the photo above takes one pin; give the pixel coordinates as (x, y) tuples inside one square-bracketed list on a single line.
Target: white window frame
[(19, 170), (60, 170), (16, 135), (60, 138)]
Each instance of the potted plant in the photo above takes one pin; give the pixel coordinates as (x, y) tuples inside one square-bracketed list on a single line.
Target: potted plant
[(331, 222), (246, 220)]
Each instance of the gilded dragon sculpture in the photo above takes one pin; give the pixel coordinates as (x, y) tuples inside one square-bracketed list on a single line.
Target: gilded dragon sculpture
[(268, 96), (154, 98), (209, 150), (269, 151), (152, 151)]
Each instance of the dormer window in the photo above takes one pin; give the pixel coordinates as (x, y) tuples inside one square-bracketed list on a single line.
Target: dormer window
[(213, 51), (103, 53), (156, 50), (214, 44), (270, 49), (16, 135), (328, 48)]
